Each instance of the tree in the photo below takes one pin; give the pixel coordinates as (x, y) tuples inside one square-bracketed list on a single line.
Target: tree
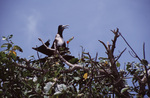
[(79, 77)]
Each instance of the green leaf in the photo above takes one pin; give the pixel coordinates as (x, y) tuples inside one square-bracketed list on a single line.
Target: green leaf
[(9, 46), (61, 87), (37, 86), (77, 78), (48, 86), (32, 56), (144, 62), (103, 58), (3, 38), (128, 66), (57, 93), (3, 46), (80, 95), (17, 48), (70, 39), (86, 57), (117, 64), (133, 71), (14, 56), (124, 89), (73, 60), (2, 54), (10, 36), (6, 44)]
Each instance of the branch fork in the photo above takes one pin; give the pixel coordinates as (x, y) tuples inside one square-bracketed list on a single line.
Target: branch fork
[(73, 66)]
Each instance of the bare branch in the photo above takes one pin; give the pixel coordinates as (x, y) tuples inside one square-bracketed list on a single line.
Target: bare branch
[(110, 53), (103, 44), (120, 54), (73, 66), (45, 45), (96, 56), (39, 57), (132, 54), (130, 47), (144, 50), (103, 70), (115, 39)]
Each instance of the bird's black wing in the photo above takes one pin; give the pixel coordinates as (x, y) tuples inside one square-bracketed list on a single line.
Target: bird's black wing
[(44, 50)]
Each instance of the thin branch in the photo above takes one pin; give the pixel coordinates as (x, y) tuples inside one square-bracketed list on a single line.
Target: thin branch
[(132, 54), (38, 54), (103, 44), (71, 69), (130, 47), (85, 86), (45, 45), (113, 68), (96, 56), (106, 71), (115, 39), (145, 65), (73, 66), (144, 50), (39, 58), (148, 79), (120, 54)]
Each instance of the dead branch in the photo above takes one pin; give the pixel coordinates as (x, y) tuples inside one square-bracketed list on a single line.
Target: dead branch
[(142, 61), (73, 66), (115, 39), (130, 47), (103, 44), (144, 50), (120, 54), (110, 53)]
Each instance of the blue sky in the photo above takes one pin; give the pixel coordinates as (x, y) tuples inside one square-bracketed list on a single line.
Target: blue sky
[(89, 20)]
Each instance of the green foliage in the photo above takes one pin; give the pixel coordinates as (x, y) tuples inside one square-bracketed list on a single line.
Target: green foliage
[(47, 77)]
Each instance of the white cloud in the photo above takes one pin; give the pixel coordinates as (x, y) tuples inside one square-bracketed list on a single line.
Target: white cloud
[(32, 24), (32, 31), (33, 20)]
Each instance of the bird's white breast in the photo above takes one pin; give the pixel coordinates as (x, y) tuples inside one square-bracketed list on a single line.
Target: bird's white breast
[(60, 40)]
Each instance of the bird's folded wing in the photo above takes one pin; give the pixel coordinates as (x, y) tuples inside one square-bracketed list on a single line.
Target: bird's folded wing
[(44, 50)]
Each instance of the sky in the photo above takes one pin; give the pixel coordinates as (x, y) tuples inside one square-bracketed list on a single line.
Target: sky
[(89, 21)]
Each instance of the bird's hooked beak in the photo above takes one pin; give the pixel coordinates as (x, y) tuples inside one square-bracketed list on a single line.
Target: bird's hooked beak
[(65, 26)]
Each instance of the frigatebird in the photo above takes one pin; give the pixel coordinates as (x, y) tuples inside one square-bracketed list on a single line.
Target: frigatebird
[(58, 41)]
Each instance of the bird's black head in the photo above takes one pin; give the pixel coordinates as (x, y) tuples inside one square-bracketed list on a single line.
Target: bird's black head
[(61, 28)]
